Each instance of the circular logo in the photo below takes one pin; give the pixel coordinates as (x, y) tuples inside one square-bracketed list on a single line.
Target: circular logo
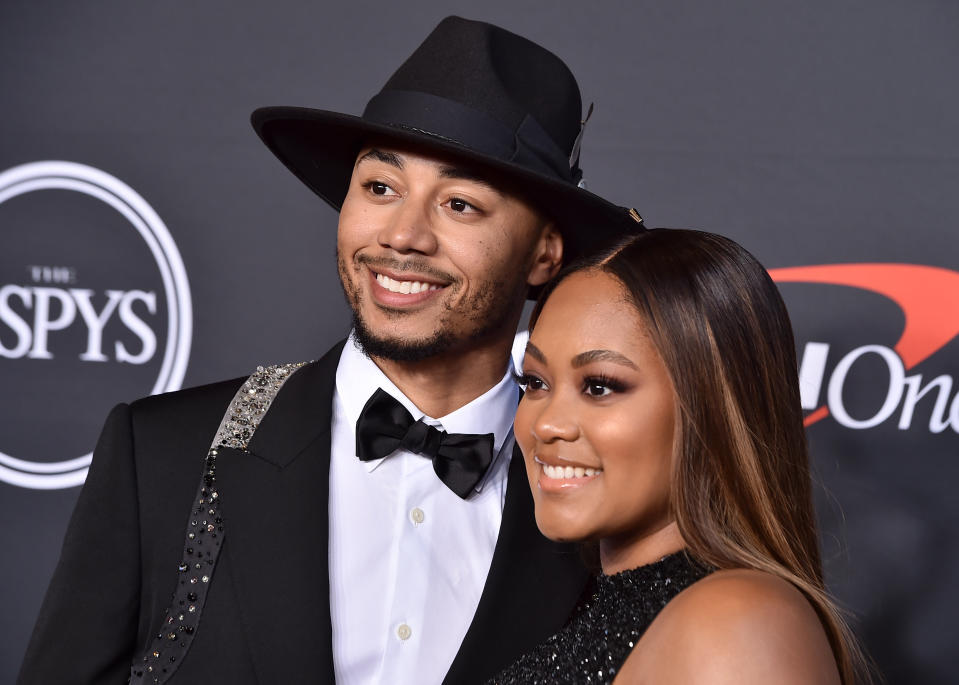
[(134, 210)]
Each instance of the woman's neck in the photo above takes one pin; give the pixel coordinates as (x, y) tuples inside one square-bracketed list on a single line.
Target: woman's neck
[(617, 555)]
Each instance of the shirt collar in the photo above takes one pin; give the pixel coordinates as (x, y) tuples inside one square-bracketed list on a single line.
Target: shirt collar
[(358, 377)]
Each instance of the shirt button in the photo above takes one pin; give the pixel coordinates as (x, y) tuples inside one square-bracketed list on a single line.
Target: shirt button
[(404, 632), (417, 516)]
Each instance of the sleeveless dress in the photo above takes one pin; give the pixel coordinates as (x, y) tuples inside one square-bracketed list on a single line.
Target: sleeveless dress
[(605, 626)]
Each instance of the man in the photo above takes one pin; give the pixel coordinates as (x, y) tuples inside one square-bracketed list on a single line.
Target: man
[(358, 518)]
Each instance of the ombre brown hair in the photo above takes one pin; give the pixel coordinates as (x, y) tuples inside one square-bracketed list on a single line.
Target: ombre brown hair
[(741, 491)]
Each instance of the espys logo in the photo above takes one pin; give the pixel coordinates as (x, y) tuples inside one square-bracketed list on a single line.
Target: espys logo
[(929, 299), (54, 335)]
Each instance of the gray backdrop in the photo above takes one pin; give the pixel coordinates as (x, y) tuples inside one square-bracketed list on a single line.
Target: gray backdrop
[(813, 133)]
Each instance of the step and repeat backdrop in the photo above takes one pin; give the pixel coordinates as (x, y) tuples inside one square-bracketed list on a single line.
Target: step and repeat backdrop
[(149, 241)]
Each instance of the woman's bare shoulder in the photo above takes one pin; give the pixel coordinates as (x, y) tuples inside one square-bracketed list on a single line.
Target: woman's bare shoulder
[(734, 626)]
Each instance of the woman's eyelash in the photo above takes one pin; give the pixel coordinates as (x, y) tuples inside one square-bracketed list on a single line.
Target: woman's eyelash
[(605, 382), (524, 380)]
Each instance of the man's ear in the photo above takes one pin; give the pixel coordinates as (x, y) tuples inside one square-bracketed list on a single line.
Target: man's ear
[(547, 257)]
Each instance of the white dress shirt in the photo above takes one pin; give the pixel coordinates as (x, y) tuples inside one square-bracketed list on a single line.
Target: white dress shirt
[(408, 557)]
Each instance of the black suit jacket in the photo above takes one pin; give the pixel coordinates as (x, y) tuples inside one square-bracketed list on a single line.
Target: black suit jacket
[(267, 617)]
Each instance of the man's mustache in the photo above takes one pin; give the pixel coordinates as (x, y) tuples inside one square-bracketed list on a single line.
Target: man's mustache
[(415, 264)]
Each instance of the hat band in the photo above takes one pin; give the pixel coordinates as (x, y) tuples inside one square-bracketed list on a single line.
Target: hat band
[(529, 146)]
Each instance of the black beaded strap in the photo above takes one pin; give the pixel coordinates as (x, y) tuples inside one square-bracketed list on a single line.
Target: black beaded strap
[(204, 533)]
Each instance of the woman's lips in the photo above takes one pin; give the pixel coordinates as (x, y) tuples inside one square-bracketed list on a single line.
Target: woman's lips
[(568, 472), (554, 477)]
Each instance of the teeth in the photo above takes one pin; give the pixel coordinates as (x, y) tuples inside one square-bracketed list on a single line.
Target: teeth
[(563, 472), (405, 287)]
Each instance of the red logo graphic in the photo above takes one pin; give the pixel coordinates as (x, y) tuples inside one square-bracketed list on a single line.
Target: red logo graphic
[(928, 297)]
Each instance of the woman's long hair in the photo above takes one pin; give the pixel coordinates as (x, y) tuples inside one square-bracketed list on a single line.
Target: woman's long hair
[(741, 491)]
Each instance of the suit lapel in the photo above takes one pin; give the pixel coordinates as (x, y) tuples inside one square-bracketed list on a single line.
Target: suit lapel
[(275, 511), (531, 588), (275, 500)]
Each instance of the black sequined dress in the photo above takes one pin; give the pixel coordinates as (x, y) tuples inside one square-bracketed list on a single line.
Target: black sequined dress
[(605, 625)]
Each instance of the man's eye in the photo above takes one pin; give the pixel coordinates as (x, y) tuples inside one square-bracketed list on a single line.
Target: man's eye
[(461, 206), (379, 188)]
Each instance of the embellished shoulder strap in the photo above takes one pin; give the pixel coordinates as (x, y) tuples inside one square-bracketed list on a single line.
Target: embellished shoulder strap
[(204, 531)]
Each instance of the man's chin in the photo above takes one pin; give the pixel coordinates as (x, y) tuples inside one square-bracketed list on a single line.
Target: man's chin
[(399, 349)]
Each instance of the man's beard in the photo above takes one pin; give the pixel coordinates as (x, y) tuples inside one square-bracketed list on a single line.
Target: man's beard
[(481, 318), (399, 350)]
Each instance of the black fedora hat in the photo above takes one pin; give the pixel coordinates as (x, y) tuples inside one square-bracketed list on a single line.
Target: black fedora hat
[(481, 94)]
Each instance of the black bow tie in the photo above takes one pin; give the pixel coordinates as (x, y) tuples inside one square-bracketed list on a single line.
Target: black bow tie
[(460, 460)]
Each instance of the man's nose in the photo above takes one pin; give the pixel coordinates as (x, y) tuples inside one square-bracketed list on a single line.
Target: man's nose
[(410, 227)]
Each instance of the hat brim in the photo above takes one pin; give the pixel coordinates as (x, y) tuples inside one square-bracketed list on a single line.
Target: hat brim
[(320, 148)]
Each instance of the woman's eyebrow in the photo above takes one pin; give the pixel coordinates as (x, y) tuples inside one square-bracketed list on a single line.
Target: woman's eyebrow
[(584, 358), (535, 353)]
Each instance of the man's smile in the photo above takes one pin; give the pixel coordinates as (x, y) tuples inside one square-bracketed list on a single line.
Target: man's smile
[(397, 282), (395, 289), (405, 287)]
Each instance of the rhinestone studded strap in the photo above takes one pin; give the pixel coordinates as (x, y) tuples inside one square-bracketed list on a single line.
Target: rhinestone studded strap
[(204, 533)]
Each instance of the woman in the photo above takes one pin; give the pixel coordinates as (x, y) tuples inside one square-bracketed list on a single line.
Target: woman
[(661, 419)]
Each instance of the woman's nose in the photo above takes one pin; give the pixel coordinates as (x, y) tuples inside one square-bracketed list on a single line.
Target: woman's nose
[(556, 421)]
